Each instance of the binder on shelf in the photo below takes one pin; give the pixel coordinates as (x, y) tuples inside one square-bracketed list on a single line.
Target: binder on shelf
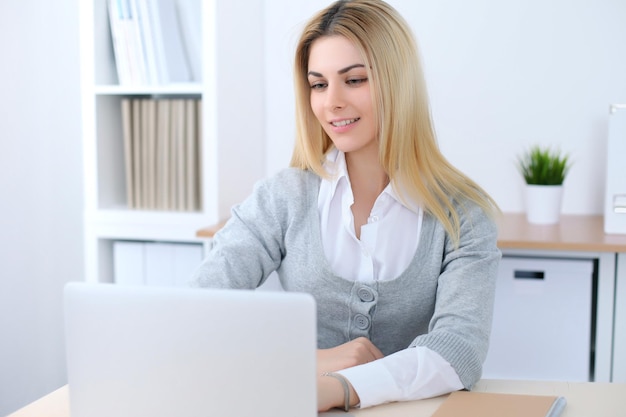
[(149, 46), (189, 12), (172, 158), (489, 404), (143, 155), (147, 36), (179, 140), (139, 202), (150, 152), (191, 155), (161, 153), (118, 22), (138, 50), (127, 42), (168, 37), (199, 168), (127, 132), (163, 147)]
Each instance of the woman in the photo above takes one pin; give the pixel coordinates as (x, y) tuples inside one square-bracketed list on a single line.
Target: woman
[(396, 245)]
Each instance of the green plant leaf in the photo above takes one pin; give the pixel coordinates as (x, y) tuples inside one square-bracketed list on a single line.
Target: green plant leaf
[(543, 166)]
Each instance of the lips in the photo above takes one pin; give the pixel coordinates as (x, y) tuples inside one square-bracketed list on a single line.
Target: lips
[(345, 122)]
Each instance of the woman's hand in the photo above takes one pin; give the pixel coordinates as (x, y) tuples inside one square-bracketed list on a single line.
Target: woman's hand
[(353, 353), (330, 394)]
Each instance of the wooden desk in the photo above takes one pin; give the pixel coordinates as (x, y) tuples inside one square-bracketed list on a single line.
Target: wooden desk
[(571, 233), (209, 231), (583, 400)]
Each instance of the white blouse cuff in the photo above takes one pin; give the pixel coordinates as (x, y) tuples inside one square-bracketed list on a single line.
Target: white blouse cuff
[(410, 374)]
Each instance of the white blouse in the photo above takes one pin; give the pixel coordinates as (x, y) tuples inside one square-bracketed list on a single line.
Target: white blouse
[(388, 243)]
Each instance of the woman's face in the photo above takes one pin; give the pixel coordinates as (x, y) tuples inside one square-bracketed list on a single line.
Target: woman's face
[(340, 94)]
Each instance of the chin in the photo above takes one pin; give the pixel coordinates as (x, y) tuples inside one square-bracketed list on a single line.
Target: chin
[(351, 146)]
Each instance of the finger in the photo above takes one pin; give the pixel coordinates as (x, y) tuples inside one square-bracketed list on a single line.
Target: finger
[(376, 353), (372, 350)]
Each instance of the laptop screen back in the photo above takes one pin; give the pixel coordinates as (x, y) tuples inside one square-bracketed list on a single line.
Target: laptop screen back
[(145, 351)]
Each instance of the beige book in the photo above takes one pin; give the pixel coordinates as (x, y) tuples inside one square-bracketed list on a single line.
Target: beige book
[(137, 146), (163, 150), (190, 155), (127, 133), (151, 144), (199, 155), (145, 167), (176, 152), (180, 163), (488, 404)]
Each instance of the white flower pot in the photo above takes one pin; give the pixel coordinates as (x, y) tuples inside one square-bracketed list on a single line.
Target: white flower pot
[(543, 203)]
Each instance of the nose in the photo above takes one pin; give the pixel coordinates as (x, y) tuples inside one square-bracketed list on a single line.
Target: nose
[(335, 99)]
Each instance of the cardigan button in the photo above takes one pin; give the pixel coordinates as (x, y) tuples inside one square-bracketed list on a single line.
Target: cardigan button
[(361, 321), (365, 295)]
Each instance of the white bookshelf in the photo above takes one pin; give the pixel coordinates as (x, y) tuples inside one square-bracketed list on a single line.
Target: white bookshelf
[(232, 154)]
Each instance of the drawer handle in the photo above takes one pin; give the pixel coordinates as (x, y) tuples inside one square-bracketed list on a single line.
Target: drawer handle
[(518, 274)]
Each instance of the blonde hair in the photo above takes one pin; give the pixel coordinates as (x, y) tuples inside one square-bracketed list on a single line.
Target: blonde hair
[(407, 144)]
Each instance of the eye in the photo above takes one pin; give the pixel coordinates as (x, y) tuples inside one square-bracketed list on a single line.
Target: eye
[(318, 85), (356, 81)]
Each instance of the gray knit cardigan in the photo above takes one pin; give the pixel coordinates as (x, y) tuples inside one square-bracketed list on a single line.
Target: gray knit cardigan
[(443, 300)]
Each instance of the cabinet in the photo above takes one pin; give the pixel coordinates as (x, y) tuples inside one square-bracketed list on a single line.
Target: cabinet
[(155, 263), (231, 140), (543, 320), (582, 237)]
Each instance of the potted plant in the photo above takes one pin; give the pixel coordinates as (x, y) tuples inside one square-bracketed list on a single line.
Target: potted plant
[(544, 171)]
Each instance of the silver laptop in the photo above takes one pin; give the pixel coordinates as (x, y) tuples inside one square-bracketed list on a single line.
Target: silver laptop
[(152, 352)]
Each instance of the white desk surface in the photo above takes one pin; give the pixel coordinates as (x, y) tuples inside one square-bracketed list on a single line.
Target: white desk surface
[(584, 399)]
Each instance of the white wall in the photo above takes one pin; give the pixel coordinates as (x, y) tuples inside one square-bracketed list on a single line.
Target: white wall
[(40, 189), (501, 76)]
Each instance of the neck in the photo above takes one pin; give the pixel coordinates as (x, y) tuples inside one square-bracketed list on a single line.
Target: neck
[(366, 173)]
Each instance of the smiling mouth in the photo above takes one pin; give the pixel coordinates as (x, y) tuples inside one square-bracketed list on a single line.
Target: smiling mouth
[(345, 122)]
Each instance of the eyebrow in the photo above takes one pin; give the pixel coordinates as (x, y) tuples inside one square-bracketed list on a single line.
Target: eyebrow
[(341, 71)]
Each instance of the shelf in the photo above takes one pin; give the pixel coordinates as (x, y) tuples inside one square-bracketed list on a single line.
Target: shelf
[(145, 225), (187, 89), (231, 154)]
